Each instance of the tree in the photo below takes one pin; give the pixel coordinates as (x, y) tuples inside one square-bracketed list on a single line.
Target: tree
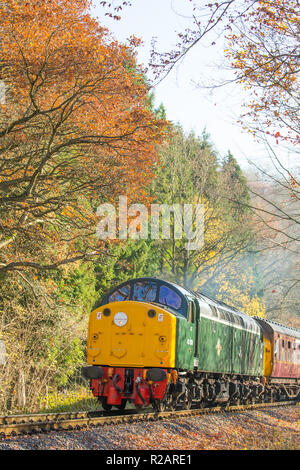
[(262, 48), (43, 323), (189, 173), (125, 260), (75, 130), (275, 207), (263, 51)]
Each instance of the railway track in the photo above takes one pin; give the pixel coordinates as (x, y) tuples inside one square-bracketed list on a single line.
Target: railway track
[(27, 424)]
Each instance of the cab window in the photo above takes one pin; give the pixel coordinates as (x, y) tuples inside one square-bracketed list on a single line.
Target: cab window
[(144, 291), (122, 293), (169, 297)]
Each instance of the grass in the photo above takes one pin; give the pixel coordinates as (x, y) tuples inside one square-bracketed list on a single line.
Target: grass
[(75, 400)]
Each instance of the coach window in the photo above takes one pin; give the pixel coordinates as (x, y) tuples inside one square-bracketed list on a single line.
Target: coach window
[(223, 314), (282, 352), (289, 351), (294, 352), (276, 349), (169, 297)]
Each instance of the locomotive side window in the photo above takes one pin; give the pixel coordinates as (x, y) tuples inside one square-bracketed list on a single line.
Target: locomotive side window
[(169, 297), (239, 320), (214, 310), (224, 315), (123, 293), (144, 291), (191, 314)]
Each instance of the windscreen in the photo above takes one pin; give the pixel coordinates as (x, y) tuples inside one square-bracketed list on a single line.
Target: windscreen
[(147, 291), (122, 293), (169, 297), (144, 291)]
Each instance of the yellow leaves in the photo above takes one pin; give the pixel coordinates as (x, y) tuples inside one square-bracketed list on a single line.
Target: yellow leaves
[(68, 211), (255, 307), (235, 283)]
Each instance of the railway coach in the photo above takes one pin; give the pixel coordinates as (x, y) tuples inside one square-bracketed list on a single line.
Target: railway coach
[(152, 341), (281, 359)]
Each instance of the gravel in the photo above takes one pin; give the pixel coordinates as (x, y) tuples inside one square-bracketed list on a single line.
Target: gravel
[(271, 429)]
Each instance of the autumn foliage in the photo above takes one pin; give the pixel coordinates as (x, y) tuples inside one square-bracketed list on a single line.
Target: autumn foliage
[(75, 130), (264, 53)]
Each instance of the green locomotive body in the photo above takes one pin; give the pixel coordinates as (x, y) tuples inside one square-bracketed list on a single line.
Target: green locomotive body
[(213, 337), (229, 342)]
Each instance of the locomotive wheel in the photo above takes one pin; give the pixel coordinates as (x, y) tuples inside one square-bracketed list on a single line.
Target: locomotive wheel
[(269, 396), (235, 402), (123, 404), (271, 399), (201, 404), (225, 406), (164, 405), (187, 405), (105, 406), (245, 401), (139, 407), (159, 406)]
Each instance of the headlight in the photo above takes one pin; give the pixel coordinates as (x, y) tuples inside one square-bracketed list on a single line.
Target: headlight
[(120, 319)]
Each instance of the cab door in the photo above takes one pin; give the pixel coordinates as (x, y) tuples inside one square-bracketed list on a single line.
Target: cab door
[(186, 339), (196, 310), (193, 320)]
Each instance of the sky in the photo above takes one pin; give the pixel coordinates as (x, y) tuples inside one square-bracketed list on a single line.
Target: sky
[(192, 106)]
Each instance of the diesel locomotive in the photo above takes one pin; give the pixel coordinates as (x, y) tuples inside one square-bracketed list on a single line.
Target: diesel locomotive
[(153, 342)]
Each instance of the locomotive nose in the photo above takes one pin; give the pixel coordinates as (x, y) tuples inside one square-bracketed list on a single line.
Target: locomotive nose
[(130, 333)]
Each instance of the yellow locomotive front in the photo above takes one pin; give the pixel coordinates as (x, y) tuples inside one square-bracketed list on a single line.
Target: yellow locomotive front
[(131, 334)]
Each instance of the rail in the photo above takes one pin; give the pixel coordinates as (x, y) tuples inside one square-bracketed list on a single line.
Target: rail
[(27, 424)]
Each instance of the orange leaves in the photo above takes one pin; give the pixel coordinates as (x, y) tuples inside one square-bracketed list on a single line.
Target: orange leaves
[(263, 54), (76, 130), (222, 431), (294, 193)]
